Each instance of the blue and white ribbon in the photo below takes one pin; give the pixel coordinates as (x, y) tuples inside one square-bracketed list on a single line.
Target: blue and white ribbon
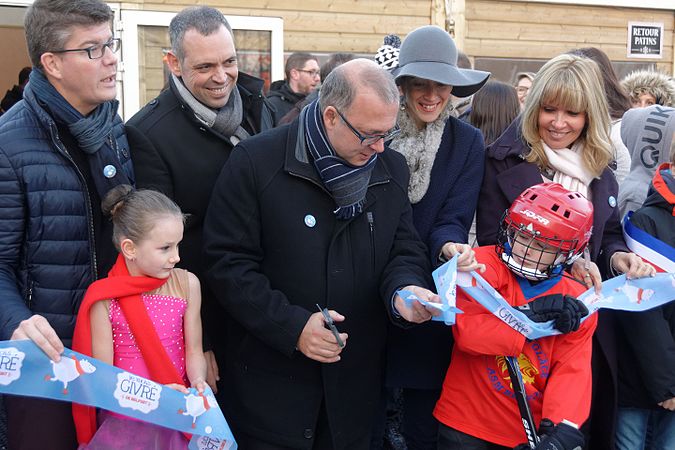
[(26, 370), (445, 278), (618, 293), (647, 246)]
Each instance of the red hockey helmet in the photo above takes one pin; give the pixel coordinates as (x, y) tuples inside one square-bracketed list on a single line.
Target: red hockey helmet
[(558, 219)]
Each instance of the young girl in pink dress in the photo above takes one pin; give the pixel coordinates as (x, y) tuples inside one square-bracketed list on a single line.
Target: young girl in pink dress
[(144, 318)]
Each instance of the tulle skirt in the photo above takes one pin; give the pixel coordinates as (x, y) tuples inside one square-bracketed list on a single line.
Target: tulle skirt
[(117, 432)]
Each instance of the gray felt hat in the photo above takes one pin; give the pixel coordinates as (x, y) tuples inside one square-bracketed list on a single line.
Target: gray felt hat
[(430, 53)]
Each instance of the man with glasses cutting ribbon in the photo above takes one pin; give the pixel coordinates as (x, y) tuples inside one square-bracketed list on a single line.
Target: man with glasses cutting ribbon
[(61, 149), (314, 213)]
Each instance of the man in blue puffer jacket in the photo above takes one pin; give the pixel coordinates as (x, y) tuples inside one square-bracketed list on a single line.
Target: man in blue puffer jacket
[(61, 149)]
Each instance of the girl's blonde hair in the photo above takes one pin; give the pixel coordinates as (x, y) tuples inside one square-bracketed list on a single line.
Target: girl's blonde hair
[(135, 212), (574, 84)]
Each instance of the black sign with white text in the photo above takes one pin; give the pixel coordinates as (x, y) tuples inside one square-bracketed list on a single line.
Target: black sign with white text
[(645, 40)]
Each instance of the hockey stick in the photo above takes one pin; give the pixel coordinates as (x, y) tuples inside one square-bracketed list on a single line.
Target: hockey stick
[(521, 397)]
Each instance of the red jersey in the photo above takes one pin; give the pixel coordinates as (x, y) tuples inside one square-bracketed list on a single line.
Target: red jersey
[(477, 397)]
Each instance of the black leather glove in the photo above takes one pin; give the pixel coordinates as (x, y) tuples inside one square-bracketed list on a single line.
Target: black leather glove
[(546, 427), (562, 437), (565, 310)]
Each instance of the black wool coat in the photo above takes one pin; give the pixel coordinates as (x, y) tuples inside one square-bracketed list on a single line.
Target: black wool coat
[(274, 250), (177, 155)]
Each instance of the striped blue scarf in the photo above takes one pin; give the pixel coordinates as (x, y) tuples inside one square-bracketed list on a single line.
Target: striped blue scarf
[(346, 183)]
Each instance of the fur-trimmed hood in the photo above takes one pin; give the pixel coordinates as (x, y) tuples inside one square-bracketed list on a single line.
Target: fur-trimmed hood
[(658, 84)]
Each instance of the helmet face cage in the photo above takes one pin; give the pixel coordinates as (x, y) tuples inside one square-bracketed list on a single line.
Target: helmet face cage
[(538, 257)]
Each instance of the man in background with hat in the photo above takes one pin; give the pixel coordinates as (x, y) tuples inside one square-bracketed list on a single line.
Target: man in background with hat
[(314, 215), (61, 150)]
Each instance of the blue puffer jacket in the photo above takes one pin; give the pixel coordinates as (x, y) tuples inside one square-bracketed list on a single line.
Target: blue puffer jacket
[(47, 257)]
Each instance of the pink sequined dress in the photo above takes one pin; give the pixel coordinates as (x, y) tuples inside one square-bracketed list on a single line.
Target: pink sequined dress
[(166, 308)]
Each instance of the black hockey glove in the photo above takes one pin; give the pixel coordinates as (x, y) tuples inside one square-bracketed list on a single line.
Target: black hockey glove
[(562, 437), (565, 310), (557, 437), (546, 427)]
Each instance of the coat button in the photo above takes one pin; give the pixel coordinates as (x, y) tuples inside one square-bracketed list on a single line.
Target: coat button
[(308, 433), (153, 101)]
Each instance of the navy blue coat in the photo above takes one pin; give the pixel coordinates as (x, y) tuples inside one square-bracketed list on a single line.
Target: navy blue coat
[(419, 357), (47, 251)]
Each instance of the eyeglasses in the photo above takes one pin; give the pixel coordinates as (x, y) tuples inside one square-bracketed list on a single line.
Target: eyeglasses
[(96, 51), (312, 73), (522, 89), (371, 138)]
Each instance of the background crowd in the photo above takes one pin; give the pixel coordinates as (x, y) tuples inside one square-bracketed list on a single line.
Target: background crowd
[(344, 183)]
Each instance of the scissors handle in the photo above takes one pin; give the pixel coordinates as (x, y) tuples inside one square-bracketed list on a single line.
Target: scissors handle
[(331, 325)]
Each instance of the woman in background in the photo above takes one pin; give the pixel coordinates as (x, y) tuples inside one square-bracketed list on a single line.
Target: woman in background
[(618, 103), (495, 106)]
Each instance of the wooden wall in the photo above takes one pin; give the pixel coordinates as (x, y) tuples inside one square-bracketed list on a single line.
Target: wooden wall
[(518, 29), (322, 25)]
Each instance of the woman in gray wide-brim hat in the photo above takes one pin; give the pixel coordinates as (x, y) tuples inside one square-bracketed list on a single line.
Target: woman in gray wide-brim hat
[(430, 53), (446, 159)]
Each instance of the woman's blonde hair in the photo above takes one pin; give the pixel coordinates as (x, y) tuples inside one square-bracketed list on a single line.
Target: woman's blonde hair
[(574, 84)]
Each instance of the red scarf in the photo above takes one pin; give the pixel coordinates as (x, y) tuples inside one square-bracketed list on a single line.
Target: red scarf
[(127, 290)]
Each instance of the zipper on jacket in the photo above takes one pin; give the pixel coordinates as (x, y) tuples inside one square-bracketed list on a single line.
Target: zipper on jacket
[(90, 215), (371, 226), (29, 295)]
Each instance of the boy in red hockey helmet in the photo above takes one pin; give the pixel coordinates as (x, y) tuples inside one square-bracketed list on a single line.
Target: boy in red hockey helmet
[(545, 229)]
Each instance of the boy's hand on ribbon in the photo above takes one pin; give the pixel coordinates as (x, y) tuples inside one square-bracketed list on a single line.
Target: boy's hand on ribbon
[(37, 329), (565, 310)]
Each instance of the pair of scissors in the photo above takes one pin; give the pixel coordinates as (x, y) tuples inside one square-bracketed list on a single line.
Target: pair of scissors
[(331, 325)]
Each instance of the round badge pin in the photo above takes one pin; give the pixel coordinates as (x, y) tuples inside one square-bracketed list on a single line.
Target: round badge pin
[(109, 171), (612, 201), (310, 220)]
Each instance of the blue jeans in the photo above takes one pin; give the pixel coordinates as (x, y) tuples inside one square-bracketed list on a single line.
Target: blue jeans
[(632, 425)]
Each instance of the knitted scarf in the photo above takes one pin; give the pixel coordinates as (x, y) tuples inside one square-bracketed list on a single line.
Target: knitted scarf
[(92, 133), (127, 289), (347, 184), (226, 120), (569, 168), (419, 148)]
